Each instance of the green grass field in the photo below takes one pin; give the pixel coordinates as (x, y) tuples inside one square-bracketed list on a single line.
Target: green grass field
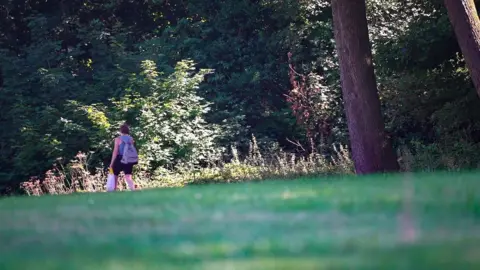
[(425, 221)]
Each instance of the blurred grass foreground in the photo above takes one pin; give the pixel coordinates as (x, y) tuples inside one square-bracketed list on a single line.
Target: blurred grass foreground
[(417, 221)]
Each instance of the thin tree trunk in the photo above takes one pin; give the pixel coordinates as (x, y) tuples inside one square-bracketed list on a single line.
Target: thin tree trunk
[(371, 149), (466, 24)]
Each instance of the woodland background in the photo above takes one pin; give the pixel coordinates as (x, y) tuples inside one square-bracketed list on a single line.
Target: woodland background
[(210, 84)]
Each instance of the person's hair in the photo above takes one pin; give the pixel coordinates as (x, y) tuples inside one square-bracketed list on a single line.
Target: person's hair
[(124, 129)]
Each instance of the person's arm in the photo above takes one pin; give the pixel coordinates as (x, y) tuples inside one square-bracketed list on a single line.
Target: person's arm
[(115, 152)]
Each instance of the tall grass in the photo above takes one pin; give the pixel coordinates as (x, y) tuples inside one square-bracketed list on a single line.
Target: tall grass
[(254, 165), (77, 176)]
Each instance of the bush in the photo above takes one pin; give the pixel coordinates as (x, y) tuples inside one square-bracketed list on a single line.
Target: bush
[(449, 155)]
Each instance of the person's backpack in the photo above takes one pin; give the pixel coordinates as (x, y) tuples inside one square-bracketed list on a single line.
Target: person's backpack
[(130, 155)]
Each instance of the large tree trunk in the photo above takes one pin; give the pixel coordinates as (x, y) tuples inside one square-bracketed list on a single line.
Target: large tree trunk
[(371, 150), (464, 18)]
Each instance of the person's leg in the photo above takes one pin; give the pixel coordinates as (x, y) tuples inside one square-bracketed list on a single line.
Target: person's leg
[(130, 184), (116, 182), (128, 168)]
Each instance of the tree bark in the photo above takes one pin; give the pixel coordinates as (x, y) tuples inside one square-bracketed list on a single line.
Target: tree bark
[(466, 24), (371, 150)]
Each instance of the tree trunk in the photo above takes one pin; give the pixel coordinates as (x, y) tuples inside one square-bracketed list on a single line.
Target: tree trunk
[(371, 149), (464, 18)]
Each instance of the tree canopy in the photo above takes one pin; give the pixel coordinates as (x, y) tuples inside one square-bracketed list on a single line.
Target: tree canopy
[(194, 77)]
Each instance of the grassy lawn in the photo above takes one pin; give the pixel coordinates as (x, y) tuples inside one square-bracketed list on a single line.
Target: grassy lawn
[(424, 221)]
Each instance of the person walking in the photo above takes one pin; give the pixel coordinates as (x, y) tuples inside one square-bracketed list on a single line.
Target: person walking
[(116, 164)]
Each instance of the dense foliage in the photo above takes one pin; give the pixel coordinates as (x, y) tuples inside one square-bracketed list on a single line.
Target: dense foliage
[(194, 77)]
